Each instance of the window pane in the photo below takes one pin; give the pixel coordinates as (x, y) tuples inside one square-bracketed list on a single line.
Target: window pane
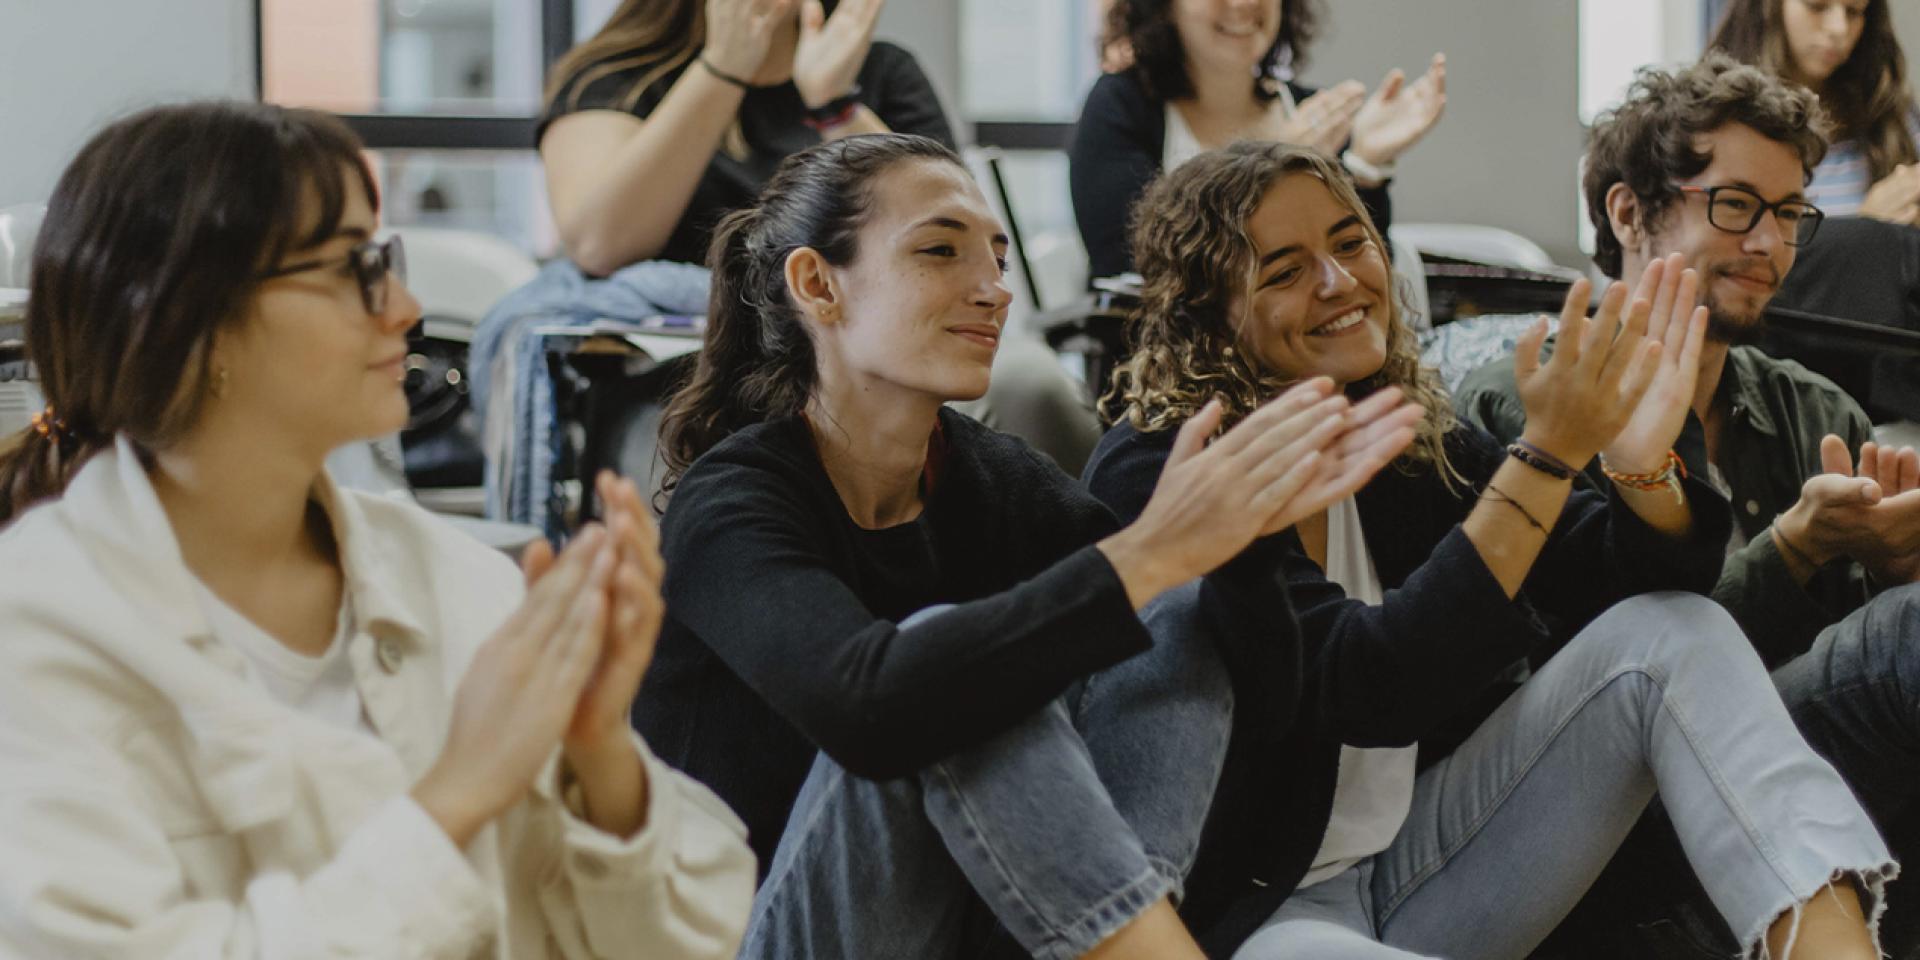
[(1022, 60), (498, 192), (402, 56)]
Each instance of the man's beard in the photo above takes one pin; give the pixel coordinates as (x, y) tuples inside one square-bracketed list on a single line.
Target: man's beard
[(1726, 324)]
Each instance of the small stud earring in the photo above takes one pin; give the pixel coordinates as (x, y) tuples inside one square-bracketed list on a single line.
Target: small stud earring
[(219, 385)]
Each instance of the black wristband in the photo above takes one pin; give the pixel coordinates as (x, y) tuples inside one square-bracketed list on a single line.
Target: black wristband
[(834, 111), (721, 75), (1540, 460)]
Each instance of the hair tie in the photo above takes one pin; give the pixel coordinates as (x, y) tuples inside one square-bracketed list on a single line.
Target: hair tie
[(47, 425)]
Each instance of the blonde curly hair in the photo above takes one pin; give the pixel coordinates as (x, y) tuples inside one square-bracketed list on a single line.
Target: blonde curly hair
[(1192, 248)]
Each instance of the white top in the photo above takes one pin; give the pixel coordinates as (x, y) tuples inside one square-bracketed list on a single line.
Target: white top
[(1375, 786), (160, 802), (1181, 145), (321, 687)]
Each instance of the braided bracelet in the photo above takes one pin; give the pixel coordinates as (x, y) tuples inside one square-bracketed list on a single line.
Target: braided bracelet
[(1668, 477), (1541, 460)]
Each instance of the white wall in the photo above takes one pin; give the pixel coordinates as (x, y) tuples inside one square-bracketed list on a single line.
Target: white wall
[(69, 66), (1506, 150), (930, 29)]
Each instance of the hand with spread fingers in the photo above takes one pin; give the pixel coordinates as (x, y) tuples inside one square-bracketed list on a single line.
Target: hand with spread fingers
[(1285, 461), (832, 49), (1324, 121), (1399, 114), (1578, 401)]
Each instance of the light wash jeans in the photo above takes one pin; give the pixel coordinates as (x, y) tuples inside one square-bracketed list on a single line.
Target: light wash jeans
[(1063, 828), (1660, 692)]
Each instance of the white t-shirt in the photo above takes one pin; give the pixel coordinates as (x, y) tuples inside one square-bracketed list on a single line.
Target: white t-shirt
[(1375, 786), (321, 686), (1180, 145)]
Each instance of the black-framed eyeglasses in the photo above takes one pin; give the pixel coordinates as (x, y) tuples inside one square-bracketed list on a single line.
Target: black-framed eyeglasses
[(1738, 210), (372, 262)]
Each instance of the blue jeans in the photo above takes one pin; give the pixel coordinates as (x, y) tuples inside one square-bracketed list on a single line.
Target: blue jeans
[(1506, 833), (1855, 696), (1063, 828)]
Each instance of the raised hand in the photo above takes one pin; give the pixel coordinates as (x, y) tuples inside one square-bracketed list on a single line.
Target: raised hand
[(518, 695), (1896, 198), (831, 49), (740, 32), (1399, 114), (1324, 120), (1580, 399), (1680, 328), (633, 624), (1285, 461)]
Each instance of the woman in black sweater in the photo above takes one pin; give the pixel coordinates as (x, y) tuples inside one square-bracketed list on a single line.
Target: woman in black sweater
[(1444, 579), (877, 604), (1199, 74)]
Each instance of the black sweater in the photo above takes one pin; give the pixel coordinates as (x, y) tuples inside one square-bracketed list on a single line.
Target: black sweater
[(1116, 151), (780, 636), (1425, 666)]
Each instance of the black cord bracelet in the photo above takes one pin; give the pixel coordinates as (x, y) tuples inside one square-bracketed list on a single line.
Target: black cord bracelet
[(728, 77), (1500, 497)]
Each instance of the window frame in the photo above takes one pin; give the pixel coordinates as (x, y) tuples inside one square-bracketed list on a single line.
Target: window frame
[(416, 131)]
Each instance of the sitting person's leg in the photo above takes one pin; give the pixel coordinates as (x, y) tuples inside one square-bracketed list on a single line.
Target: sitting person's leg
[(1660, 692), (1069, 827)]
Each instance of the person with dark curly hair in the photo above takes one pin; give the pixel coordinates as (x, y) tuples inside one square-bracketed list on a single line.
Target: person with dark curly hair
[(1846, 52), (1191, 75), (1422, 804)]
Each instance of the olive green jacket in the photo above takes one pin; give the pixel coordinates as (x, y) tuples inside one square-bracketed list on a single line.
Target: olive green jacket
[(1777, 413)]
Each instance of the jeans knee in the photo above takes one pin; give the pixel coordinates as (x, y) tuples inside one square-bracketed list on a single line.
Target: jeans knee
[(1671, 630)]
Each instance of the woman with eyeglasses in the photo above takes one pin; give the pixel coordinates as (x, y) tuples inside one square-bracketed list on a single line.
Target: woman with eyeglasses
[(246, 713), (1847, 52), (1424, 803)]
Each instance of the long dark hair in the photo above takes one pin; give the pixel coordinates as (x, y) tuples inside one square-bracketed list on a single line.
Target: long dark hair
[(1867, 97), (152, 242), (1146, 27), (758, 361)]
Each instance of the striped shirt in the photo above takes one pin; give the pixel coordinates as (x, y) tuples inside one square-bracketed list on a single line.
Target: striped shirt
[(1841, 181)]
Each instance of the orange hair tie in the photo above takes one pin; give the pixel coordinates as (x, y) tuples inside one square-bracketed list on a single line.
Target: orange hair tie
[(46, 424)]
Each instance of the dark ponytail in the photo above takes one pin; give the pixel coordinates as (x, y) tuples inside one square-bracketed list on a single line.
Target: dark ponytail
[(151, 243), (758, 360)]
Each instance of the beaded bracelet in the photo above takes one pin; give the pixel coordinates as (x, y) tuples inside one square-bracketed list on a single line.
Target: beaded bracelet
[(1668, 477), (1541, 460)]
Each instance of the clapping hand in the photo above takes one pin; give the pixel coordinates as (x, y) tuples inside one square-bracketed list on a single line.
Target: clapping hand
[(740, 32), (1325, 120), (832, 49), (1869, 512), (1399, 114), (1679, 327)]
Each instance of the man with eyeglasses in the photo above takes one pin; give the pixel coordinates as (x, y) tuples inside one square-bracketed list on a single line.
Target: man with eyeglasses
[(1711, 162)]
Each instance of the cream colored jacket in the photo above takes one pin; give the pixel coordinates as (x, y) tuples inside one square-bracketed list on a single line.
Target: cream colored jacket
[(156, 802)]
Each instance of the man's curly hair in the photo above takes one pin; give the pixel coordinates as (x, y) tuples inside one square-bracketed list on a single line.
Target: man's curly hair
[(1647, 142)]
